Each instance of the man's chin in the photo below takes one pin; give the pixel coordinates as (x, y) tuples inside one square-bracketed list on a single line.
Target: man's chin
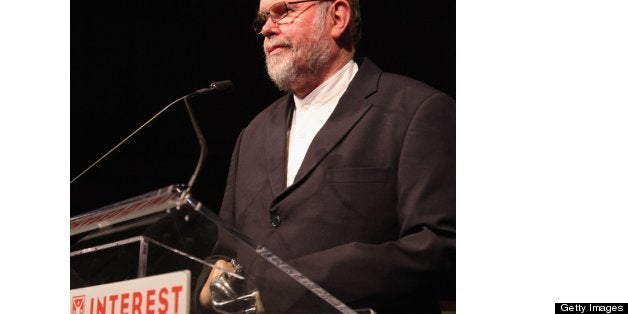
[(278, 68)]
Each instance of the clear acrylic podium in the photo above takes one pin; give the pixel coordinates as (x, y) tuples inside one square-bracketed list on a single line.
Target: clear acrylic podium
[(168, 230)]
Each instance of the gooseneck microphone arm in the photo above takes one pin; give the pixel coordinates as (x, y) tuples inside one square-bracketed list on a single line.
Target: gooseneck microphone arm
[(220, 86), (201, 142), (213, 87)]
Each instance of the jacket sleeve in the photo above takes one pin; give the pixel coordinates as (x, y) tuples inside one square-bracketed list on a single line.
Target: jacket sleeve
[(223, 246)]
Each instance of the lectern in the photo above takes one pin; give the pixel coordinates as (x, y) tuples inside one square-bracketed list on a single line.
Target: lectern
[(168, 231)]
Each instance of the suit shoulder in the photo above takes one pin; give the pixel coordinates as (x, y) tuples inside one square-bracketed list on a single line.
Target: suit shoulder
[(399, 83), (402, 90)]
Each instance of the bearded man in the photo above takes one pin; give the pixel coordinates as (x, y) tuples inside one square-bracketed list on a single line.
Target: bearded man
[(350, 177)]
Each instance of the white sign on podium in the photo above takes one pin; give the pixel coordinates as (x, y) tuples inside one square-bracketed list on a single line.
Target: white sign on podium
[(160, 294)]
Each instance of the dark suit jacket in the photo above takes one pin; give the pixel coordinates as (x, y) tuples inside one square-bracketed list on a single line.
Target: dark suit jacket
[(371, 214)]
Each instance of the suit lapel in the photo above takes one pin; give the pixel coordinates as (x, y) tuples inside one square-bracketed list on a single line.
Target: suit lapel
[(276, 145), (350, 109), (347, 114)]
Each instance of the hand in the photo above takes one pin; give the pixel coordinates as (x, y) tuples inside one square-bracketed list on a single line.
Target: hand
[(224, 293), (205, 296)]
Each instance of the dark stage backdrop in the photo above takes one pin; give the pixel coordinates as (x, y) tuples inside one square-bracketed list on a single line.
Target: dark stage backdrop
[(130, 58)]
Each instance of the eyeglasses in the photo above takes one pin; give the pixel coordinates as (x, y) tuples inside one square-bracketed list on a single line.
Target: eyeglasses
[(276, 12)]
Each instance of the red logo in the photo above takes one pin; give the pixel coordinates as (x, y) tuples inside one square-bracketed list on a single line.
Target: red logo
[(78, 305)]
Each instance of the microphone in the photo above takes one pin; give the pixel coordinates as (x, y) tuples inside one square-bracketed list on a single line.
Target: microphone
[(220, 86)]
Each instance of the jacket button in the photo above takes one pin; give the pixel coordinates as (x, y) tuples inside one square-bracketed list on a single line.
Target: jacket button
[(275, 221)]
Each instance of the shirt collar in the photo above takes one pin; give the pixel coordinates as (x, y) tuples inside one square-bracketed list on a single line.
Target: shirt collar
[(330, 89)]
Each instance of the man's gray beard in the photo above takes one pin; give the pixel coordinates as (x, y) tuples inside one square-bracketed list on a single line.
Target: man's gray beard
[(299, 62)]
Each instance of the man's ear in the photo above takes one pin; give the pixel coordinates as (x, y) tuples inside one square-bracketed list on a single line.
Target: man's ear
[(340, 14)]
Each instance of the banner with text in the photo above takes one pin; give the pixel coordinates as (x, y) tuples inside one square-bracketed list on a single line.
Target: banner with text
[(160, 294)]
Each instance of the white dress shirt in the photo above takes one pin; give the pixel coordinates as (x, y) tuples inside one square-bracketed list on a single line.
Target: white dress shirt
[(312, 112)]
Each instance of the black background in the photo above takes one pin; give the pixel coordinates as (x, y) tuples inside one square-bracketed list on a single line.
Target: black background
[(131, 58)]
